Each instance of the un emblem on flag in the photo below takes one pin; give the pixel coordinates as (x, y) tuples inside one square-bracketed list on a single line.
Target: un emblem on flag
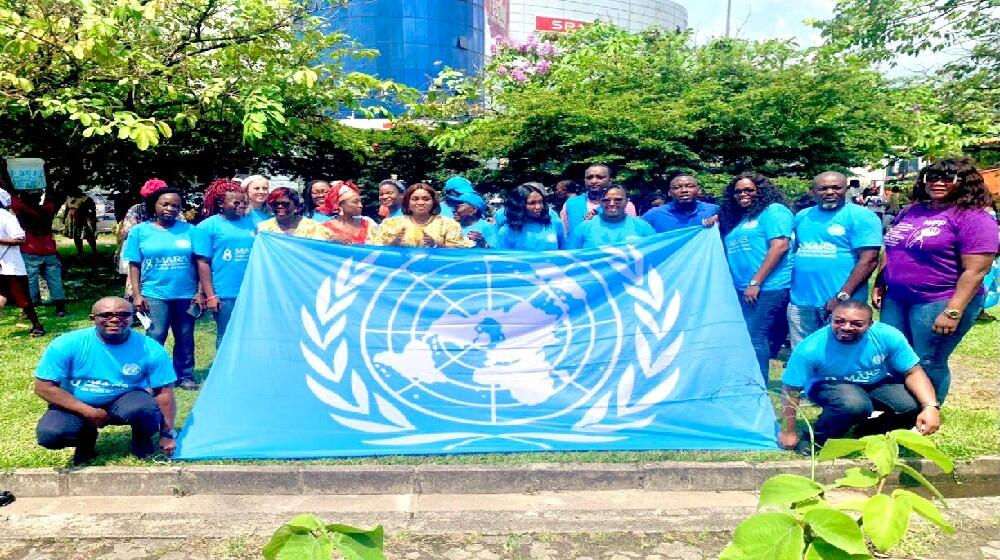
[(495, 347)]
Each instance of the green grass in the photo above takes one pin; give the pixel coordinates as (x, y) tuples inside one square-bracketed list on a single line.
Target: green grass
[(970, 417)]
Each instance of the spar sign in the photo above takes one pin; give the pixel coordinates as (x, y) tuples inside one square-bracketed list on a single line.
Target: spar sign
[(558, 25)]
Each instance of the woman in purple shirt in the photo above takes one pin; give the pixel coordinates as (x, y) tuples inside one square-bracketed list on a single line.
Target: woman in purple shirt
[(936, 255)]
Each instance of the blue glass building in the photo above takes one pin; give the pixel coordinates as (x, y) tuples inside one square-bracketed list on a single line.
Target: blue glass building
[(416, 38)]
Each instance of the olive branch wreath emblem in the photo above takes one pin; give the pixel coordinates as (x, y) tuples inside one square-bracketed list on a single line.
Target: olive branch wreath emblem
[(326, 321)]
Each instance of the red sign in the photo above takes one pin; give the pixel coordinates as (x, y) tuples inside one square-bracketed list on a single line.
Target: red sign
[(559, 25)]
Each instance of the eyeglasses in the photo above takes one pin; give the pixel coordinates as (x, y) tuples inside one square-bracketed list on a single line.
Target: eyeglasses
[(610, 200), (738, 192), (933, 177), (281, 204), (112, 314)]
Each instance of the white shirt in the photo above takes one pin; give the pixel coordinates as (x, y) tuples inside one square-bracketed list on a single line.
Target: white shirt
[(11, 263)]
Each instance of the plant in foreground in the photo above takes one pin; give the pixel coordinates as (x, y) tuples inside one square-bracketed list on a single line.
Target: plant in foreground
[(797, 521), (306, 537)]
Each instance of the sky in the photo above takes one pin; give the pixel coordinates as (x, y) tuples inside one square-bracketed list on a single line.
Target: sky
[(765, 19)]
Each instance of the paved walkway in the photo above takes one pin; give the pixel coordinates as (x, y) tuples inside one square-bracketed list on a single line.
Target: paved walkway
[(598, 525)]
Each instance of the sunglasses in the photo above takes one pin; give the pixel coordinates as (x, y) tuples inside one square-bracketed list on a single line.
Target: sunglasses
[(111, 314), (610, 200), (744, 191), (281, 204), (940, 178)]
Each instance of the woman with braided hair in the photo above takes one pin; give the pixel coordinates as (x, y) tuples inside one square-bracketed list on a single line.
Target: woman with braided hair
[(225, 251)]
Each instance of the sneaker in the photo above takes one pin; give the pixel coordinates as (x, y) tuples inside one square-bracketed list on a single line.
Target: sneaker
[(83, 455), (188, 385), (37, 332)]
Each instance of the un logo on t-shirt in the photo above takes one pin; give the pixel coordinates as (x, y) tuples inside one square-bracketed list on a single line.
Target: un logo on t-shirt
[(131, 370), (836, 229)]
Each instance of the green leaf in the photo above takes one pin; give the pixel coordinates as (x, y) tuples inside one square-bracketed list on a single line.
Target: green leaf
[(854, 477), (915, 475), (821, 550), (304, 523), (278, 540), (766, 536), (164, 129), (882, 452), (302, 547), (852, 504), (923, 446), (838, 529), (836, 448), (885, 520), (925, 508), (786, 489), (357, 544)]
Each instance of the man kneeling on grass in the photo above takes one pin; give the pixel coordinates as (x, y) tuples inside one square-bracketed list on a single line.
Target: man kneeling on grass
[(93, 377), (852, 368)]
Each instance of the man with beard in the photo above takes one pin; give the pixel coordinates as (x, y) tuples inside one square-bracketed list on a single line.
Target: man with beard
[(106, 375), (852, 368), (835, 251), (684, 209), (578, 209), (612, 224)]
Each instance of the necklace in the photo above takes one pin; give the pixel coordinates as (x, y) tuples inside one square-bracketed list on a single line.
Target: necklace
[(427, 221)]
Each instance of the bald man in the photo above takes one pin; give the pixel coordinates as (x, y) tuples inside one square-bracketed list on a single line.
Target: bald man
[(835, 251), (106, 375)]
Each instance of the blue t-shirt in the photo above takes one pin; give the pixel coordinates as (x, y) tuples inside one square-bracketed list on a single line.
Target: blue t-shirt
[(825, 251), (669, 217), (500, 216), (227, 243), (488, 230), (747, 244), (881, 352), (534, 236), (320, 217), (166, 259), (258, 216), (596, 232), (97, 373)]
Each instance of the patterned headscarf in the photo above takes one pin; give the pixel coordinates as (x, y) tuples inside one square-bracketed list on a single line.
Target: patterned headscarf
[(339, 190)]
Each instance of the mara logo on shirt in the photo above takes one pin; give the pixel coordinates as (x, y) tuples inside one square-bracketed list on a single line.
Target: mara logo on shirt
[(131, 370), (751, 224), (836, 229), (227, 255), (183, 243)]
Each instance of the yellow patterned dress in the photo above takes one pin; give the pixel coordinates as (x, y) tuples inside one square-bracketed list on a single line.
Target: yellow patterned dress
[(310, 229), (444, 231)]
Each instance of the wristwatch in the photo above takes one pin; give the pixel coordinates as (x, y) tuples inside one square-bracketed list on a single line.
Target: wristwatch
[(754, 283), (952, 314), (935, 404), (843, 296), (171, 433)]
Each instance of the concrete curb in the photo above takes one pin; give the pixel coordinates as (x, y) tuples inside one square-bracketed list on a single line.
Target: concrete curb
[(978, 477)]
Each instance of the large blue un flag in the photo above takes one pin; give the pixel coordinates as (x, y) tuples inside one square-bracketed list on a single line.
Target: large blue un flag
[(342, 351)]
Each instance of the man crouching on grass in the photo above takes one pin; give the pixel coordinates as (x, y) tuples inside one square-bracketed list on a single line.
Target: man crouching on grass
[(852, 368), (93, 377)]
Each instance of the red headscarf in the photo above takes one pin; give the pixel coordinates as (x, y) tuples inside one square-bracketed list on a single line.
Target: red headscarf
[(216, 193), (151, 186), (339, 190)]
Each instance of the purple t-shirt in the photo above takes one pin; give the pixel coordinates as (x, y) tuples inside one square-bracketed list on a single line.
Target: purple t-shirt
[(924, 249)]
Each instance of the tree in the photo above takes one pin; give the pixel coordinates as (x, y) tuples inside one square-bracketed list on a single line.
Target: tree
[(958, 106), (654, 102), (115, 90)]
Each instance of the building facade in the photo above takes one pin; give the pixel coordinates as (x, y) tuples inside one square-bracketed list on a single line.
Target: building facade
[(416, 39), (528, 17)]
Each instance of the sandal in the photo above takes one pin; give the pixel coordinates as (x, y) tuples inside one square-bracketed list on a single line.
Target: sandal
[(37, 332)]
